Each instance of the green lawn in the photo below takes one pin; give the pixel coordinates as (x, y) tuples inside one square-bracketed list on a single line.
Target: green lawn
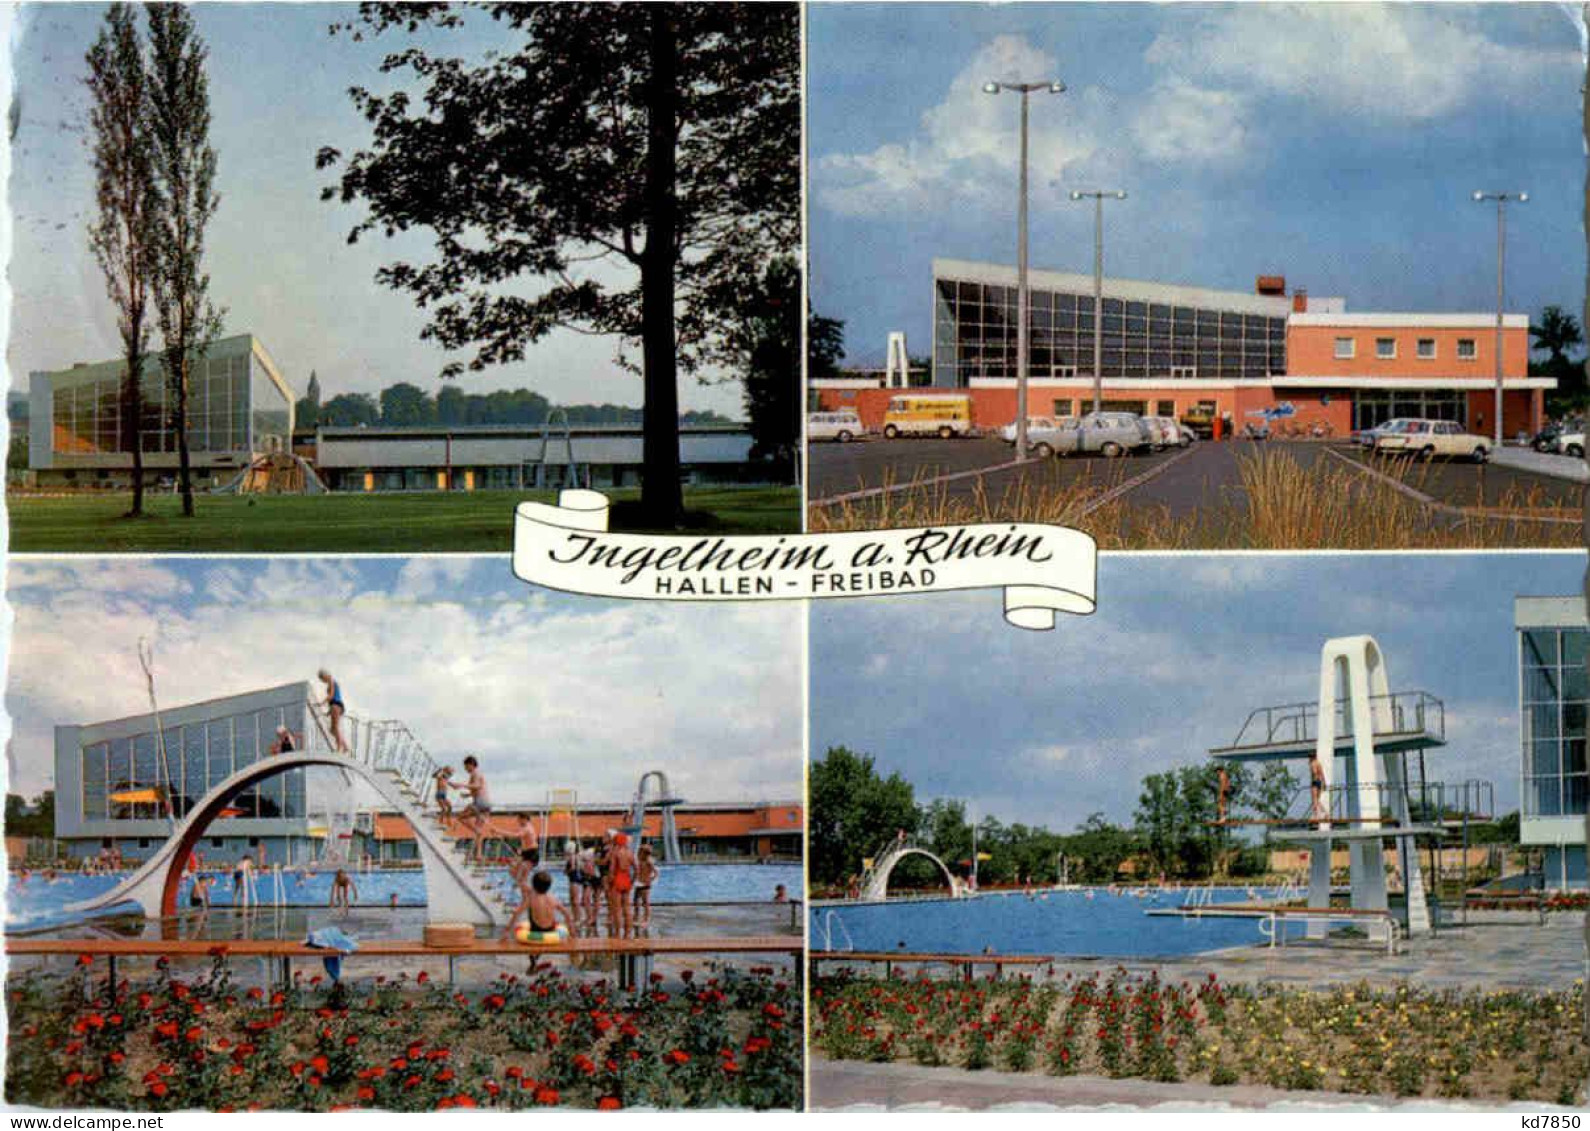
[(476, 522)]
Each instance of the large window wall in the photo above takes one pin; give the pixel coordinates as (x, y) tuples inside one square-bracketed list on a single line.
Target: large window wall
[(198, 757), (88, 414), (1373, 407), (1556, 699), (975, 336)]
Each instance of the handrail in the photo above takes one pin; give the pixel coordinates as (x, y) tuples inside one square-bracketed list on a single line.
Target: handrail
[(1298, 722)]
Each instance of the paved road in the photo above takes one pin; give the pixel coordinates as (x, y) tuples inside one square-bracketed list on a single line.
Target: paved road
[(1207, 477), (836, 469), (1465, 484)]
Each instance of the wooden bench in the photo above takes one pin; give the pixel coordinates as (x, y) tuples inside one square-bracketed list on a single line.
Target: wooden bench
[(635, 956), (966, 963)]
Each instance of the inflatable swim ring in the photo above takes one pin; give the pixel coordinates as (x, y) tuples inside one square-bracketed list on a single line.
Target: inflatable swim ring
[(529, 937)]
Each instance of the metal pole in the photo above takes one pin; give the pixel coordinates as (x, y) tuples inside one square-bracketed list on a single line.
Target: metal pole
[(1098, 301), (1501, 261), (1021, 292)]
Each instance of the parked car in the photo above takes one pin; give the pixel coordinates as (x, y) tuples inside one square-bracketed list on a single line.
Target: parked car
[(1546, 439), (1571, 442), (844, 425), (1008, 432), (1110, 434), (1366, 437), (1430, 438), (1200, 420), (1173, 433)]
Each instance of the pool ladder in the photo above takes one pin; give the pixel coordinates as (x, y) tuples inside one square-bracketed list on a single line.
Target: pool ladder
[(830, 921)]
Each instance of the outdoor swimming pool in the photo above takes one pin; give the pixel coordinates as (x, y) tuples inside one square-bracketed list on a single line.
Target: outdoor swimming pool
[(1086, 923), (38, 902)]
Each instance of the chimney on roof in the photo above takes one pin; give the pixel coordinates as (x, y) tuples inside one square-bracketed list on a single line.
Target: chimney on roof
[(1270, 285), (1300, 301)]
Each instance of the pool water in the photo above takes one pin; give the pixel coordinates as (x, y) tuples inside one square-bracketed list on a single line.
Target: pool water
[(1074, 924), (38, 902)]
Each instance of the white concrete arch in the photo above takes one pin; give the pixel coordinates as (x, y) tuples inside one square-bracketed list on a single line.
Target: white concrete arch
[(453, 893), (876, 885)]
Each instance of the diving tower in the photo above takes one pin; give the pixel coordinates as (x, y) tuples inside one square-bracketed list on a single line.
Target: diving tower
[(1371, 744), (666, 802)]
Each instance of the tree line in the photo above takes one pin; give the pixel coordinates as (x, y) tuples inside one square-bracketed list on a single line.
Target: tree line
[(1175, 829), (404, 404)]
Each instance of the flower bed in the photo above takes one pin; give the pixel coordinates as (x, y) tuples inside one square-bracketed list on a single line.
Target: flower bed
[(1501, 1045), (405, 1044)]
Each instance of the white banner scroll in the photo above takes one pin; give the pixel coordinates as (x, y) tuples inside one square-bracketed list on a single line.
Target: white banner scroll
[(1043, 569)]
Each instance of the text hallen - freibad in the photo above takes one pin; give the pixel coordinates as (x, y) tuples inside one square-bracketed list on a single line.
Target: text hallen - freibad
[(786, 566)]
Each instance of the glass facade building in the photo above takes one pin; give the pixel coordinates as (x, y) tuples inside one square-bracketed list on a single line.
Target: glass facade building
[(1556, 699), (1554, 708), (1150, 331), (113, 778), (238, 405)]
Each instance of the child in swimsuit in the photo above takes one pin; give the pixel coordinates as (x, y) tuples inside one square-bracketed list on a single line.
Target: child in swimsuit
[(200, 895), (444, 778), (646, 873), (542, 911)]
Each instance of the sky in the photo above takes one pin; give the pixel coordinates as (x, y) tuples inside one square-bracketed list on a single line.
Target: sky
[(1046, 728), (1335, 144), (278, 255), (548, 690)]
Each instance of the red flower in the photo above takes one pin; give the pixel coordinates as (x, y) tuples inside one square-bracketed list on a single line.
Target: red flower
[(444, 1075), (547, 1096), (366, 1093), (730, 1066), (255, 993), (157, 1088), (145, 1001), (194, 1034), (422, 977), (85, 960), (465, 1101), (514, 1072), (319, 1063), (678, 1056), (73, 1079), (608, 1103), (351, 1040), (117, 1057), (771, 1009)]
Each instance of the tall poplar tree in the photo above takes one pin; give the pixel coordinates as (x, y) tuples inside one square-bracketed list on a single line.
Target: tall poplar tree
[(123, 231), (184, 165)]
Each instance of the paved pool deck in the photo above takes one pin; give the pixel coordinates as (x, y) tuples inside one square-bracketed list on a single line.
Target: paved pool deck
[(1496, 950), (853, 1086)]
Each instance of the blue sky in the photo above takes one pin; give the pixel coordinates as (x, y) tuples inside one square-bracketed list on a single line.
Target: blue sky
[(548, 690), (1046, 728), (1337, 144), (278, 255)]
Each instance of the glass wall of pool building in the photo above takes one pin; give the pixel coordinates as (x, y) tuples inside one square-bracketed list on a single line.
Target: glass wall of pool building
[(1554, 703), (239, 405), (1170, 349), (110, 784)]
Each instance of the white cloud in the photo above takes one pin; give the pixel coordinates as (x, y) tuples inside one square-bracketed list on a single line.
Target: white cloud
[(966, 151), (562, 692), (1399, 62), (1184, 123)]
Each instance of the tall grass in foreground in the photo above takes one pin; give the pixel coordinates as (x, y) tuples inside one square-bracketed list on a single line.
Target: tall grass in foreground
[(1281, 505)]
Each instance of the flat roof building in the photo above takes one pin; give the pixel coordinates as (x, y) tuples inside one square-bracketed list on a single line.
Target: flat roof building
[(1170, 350), (239, 406), (492, 456), (1554, 698), (117, 786)]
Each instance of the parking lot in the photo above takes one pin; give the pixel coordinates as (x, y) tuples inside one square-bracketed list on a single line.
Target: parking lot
[(1174, 484)]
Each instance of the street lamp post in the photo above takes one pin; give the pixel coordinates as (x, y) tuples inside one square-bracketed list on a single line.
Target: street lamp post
[(1024, 89), (1098, 197), (1501, 199)]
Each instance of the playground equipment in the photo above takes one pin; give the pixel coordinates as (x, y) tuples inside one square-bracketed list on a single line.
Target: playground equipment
[(666, 802), (534, 471), (561, 801), (382, 753), (1373, 796), (274, 473), (875, 878)]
